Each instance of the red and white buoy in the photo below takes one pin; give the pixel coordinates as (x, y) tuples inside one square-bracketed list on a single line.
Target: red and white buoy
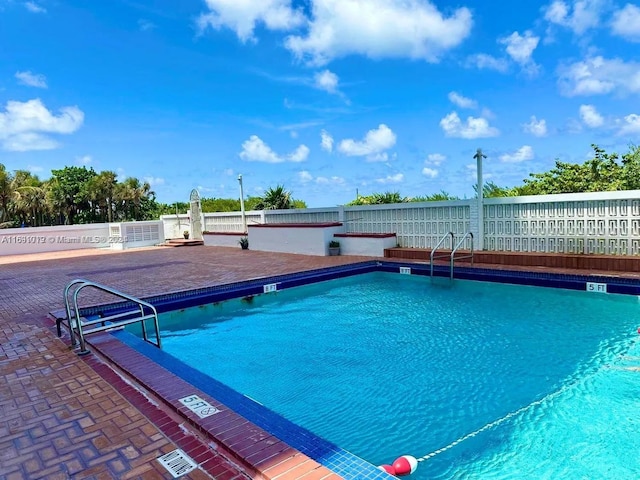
[(405, 465), (388, 468)]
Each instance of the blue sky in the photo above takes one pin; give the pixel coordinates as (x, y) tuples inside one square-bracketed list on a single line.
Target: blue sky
[(324, 96)]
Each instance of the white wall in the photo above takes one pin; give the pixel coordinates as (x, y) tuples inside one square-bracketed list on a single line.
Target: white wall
[(301, 240), (371, 247), (119, 236), (18, 241), (590, 223), (212, 240)]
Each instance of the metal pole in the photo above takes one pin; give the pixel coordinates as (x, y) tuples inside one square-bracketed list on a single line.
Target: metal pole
[(244, 217), (479, 156)]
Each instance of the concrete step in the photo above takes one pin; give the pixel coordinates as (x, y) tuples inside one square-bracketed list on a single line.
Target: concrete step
[(182, 242)]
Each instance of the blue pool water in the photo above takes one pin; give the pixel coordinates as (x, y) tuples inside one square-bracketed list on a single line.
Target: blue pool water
[(539, 382)]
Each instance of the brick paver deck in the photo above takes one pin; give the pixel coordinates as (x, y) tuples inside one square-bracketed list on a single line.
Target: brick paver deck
[(63, 416)]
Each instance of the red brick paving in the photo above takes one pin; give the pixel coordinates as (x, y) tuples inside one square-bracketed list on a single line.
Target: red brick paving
[(62, 416)]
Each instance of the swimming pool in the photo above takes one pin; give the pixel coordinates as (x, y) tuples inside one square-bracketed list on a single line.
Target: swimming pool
[(385, 364)]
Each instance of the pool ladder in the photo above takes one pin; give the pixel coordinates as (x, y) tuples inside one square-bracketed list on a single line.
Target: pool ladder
[(139, 312), (454, 248)]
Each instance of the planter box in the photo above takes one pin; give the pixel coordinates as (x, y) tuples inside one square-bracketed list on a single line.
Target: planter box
[(301, 238), (367, 244)]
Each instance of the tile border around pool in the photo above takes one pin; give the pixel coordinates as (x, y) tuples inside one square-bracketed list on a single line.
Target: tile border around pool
[(325, 453), (188, 298), (249, 433)]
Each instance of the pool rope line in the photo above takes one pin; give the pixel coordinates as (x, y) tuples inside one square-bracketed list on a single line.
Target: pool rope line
[(521, 410)]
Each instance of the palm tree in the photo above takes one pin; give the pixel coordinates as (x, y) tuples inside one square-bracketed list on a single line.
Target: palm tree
[(131, 193), (275, 199), (101, 192), (6, 193), (29, 198)]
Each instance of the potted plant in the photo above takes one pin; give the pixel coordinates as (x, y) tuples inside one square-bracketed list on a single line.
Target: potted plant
[(186, 234), (334, 248), (244, 243)]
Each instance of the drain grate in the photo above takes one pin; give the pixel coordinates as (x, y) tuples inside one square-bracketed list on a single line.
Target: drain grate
[(177, 463)]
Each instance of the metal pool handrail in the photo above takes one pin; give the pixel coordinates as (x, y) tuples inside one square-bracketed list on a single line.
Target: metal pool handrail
[(107, 323), (458, 245), (440, 242)]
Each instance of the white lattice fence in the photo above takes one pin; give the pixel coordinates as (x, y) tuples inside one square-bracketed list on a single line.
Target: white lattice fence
[(591, 226), (419, 225), (230, 222), (590, 223), (310, 215)]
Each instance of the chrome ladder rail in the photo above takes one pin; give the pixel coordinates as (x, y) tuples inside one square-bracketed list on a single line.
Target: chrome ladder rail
[(432, 256), (76, 325), (455, 249)]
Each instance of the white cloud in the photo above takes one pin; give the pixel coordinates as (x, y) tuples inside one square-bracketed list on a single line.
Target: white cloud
[(379, 29), (462, 101), (23, 125), (35, 169), (430, 172), (327, 81), (631, 125), (24, 142), (520, 48), (300, 154), (397, 178), (435, 159), (326, 141), (522, 154), (483, 61), (255, 150), (228, 171), (32, 79), (304, 176), (472, 128), (579, 17), (34, 7), (373, 145), (84, 160), (146, 25), (154, 181), (598, 76), (330, 181), (626, 23), (243, 16), (590, 116), (537, 128)]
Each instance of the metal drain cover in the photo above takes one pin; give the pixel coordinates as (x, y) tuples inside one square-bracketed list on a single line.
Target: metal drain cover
[(177, 463)]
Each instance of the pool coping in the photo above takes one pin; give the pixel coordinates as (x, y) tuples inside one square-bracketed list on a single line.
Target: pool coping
[(267, 439)]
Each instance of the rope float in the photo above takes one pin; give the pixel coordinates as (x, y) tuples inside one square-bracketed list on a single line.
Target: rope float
[(407, 464), (404, 465)]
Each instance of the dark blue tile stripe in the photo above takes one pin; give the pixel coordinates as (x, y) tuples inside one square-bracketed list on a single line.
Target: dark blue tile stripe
[(218, 293)]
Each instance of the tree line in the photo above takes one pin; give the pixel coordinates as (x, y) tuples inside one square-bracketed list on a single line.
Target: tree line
[(82, 195), (604, 172), (72, 195)]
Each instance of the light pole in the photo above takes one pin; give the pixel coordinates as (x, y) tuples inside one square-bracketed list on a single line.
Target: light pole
[(244, 218), (479, 156)]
